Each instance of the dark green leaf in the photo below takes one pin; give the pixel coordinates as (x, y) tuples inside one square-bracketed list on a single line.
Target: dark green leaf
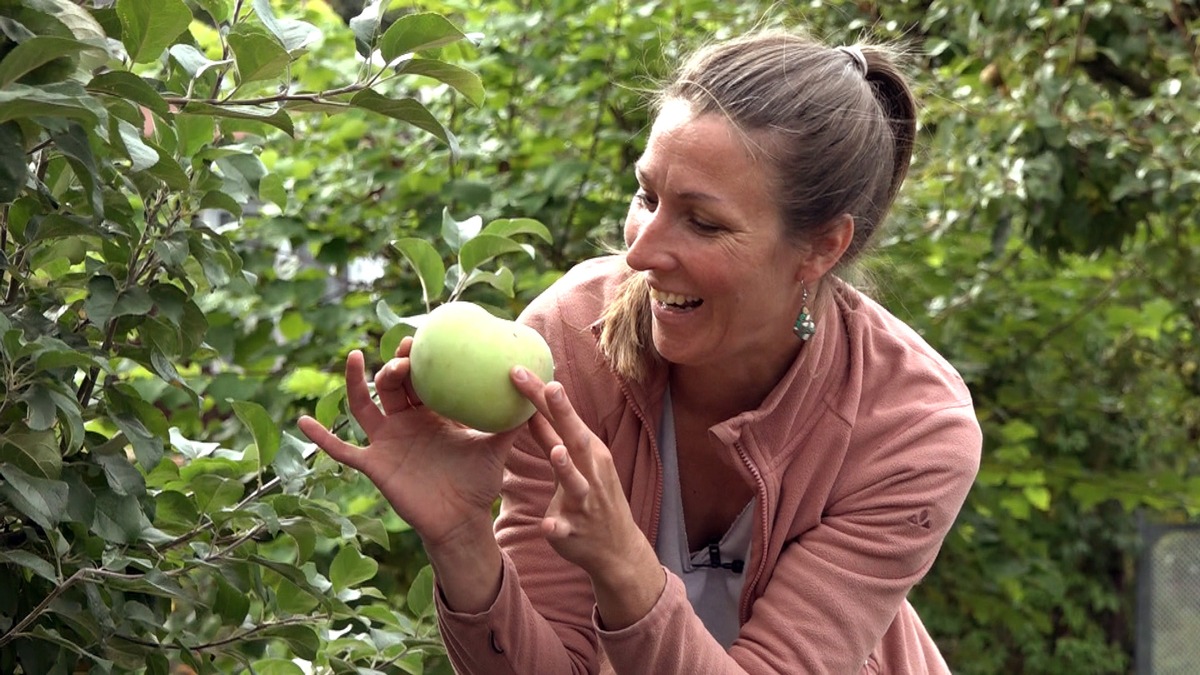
[(407, 110), (417, 32), (41, 499), (302, 640), (66, 99), (13, 163), (172, 507), (119, 518), (40, 409), (150, 26), (231, 604), (266, 433), (121, 475), (42, 568), (392, 337), (464, 81), (36, 52), (219, 10), (128, 86), (427, 262), (34, 452), (74, 143), (147, 447)]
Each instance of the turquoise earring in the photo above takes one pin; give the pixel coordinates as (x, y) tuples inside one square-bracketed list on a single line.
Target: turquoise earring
[(805, 328)]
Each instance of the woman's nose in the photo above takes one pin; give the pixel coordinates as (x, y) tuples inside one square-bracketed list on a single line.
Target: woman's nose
[(647, 242)]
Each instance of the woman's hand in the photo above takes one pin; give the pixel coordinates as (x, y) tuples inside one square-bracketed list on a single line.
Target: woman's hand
[(589, 521), (441, 477)]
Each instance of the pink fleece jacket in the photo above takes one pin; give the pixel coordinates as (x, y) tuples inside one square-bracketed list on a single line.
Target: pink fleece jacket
[(861, 458)]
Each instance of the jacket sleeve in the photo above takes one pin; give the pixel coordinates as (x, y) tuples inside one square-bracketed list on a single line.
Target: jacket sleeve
[(835, 590)]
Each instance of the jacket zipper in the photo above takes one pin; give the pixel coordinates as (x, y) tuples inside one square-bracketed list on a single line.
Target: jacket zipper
[(658, 480), (761, 507)]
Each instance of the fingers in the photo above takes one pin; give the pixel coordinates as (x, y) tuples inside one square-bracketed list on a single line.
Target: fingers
[(543, 433), (359, 396), (574, 485), (391, 384), (574, 433), (332, 445)]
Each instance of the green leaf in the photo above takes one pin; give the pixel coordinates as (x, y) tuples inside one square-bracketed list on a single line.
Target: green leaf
[(420, 593), (41, 499), (509, 227), (462, 80), (128, 86), (13, 165), (191, 449), (417, 32), (485, 247), (219, 10), (172, 507), (147, 447), (1038, 496), (502, 280), (372, 529), (119, 518), (366, 26), (66, 99), (193, 133), (392, 337), (73, 141), (258, 55), (231, 604), (275, 666), (294, 35), (141, 156), (122, 477), (266, 433), (302, 640), (194, 62), (271, 189), (406, 110), (427, 262), (456, 232), (350, 568), (40, 414), (289, 461), (36, 52), (272, 116), (35, 453), (329, 406), (42, 568), (150, 26), (213, 492)]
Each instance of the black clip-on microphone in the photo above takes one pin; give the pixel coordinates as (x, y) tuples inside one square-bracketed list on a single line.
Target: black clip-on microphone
[(714, 560)]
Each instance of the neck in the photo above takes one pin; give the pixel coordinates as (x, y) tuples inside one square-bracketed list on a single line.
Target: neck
[(717, 393)]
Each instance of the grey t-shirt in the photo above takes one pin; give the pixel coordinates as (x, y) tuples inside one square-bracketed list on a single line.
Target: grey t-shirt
[(713, 591)]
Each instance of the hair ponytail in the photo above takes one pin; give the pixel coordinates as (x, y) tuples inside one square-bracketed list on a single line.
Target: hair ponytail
[(625, 338)]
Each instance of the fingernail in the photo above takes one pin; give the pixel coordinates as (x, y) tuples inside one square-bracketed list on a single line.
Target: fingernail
[(520, 374), (561, 460), (557, 394)]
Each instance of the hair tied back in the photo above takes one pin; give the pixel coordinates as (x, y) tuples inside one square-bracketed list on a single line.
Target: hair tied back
[(856, 54)]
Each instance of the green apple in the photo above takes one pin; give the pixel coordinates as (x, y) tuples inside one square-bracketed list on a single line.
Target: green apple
[(461, 358)]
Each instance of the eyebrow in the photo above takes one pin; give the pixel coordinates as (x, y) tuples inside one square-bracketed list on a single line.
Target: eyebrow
[(691, 196)]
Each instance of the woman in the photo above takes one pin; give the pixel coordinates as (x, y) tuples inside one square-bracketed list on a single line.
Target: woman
[(744, 464)]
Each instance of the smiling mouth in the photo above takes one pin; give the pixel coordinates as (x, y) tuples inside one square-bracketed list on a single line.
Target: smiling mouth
[(675, 300)]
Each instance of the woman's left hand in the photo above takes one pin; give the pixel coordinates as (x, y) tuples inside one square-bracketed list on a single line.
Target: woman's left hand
[(588, 521)]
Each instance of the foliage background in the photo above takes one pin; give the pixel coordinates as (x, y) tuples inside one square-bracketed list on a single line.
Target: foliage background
[(1046, 243)]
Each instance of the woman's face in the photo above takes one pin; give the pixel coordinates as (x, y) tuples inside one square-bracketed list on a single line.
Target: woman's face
[(705, 229)]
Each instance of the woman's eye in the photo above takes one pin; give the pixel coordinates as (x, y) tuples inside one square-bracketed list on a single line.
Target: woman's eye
[(705, 228), (646, 200)]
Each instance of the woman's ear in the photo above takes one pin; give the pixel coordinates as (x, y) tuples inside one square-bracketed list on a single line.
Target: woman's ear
[(827, 249)]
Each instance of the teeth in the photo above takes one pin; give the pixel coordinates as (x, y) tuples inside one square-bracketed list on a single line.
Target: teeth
[(673, 298)]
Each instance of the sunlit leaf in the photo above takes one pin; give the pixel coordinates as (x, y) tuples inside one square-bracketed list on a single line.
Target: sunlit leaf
[(417, 32), (150, 26)]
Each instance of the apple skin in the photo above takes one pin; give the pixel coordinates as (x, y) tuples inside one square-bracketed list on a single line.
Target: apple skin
[(461, 357)]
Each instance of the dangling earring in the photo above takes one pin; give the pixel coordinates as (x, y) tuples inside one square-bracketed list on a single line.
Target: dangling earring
[(805, 328)]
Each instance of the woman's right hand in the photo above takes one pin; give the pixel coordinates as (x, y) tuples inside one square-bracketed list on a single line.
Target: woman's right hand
[(441, 477)]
